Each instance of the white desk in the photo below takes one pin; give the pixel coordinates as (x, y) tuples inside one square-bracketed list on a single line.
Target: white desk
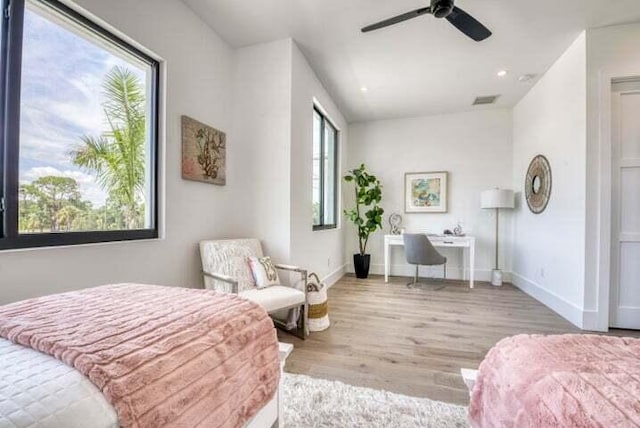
[(464, 242)]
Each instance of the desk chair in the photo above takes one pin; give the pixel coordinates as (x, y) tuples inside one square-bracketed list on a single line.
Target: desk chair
[(420, 251)]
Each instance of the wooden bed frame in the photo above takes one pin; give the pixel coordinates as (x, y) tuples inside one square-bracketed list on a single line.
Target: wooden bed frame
[(271, 415)]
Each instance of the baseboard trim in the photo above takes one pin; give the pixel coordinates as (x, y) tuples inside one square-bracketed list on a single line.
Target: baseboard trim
[(562, 307), (453, 272), (335, 276)]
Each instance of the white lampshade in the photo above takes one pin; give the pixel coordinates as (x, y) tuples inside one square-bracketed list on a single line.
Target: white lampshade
[(497, 198)]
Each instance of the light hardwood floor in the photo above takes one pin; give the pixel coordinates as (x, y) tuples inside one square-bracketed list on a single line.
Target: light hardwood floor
[(413, 341)]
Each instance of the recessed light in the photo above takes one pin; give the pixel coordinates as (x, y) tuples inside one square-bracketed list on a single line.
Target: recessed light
[(364, 89), (502, 73)]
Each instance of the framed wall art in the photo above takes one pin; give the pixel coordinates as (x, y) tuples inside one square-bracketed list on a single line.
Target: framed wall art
[(204, 152), (425, 192)]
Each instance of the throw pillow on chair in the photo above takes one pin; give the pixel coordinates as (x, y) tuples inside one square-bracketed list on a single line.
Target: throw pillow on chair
[(264, 272)]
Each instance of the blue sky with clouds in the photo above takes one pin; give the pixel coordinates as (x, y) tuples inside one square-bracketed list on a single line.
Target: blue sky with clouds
[(61, 99)]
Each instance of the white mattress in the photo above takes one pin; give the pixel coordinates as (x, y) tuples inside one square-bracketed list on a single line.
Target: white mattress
[(36, 390)]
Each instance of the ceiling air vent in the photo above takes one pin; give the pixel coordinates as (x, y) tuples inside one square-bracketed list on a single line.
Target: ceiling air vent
[(490, 99)]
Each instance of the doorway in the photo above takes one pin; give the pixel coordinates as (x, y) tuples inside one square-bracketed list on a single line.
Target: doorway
[(625, 204)]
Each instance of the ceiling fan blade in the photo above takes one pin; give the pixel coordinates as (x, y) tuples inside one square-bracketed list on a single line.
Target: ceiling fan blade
[(397, 19), (468, 25)]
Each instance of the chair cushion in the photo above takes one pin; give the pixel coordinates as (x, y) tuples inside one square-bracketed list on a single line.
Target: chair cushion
[(275, 297)]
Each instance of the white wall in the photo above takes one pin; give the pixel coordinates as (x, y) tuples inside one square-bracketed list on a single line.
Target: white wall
[(475, 148), (199, 69), (274, 90), (262, 100), (549, 248), (613, 52), (319, 251)]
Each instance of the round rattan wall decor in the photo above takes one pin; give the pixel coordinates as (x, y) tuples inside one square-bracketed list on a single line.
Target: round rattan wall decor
[(537, 186)]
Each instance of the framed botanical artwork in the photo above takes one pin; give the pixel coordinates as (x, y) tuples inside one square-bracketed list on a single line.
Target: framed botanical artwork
[(204, 152), (425, 192)]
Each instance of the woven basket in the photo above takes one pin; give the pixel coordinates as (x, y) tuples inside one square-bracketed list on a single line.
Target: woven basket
[(318, 305)]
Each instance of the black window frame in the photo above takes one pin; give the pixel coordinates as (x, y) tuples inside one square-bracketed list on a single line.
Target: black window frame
[(10, 88), (324, 120)]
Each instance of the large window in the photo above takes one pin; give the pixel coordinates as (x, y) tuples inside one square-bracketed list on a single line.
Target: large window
[(79, 115), (325, 172)]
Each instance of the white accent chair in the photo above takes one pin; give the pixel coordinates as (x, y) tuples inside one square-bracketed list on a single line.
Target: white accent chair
[(226, 269)]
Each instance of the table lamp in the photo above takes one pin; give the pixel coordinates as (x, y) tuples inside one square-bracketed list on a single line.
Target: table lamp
[(497, 199)]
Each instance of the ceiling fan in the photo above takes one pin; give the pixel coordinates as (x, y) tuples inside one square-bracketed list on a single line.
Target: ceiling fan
[(440, 9)]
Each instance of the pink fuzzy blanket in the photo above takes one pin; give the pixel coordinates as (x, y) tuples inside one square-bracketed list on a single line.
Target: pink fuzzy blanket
[(559, 381), (162, 356)]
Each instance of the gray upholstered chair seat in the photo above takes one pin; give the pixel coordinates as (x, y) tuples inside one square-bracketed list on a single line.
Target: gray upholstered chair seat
[(419, 251)]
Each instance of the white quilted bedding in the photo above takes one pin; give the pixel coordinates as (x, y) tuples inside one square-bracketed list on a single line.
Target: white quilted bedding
[(38, 391)]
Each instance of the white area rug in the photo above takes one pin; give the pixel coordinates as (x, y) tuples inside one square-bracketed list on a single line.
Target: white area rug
[(310, 402)]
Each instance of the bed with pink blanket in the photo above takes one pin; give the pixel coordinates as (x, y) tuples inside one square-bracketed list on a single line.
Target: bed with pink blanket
[(159, 356), (558, 381)]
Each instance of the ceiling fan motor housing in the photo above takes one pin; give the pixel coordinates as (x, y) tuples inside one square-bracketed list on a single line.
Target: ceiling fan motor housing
[(441, 8)]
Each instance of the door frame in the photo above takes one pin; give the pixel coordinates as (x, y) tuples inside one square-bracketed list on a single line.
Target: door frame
[(605, 201)]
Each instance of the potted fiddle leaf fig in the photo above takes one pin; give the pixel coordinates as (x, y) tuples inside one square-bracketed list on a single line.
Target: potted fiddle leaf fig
[(367, 214)]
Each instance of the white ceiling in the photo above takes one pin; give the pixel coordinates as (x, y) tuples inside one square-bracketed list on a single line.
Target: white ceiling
[(422, 66)]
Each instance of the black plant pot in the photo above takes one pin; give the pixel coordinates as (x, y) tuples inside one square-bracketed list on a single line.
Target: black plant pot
[(361, 265)]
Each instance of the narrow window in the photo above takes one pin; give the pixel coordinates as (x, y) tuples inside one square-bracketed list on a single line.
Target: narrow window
[(79, 120), (325, 172)]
